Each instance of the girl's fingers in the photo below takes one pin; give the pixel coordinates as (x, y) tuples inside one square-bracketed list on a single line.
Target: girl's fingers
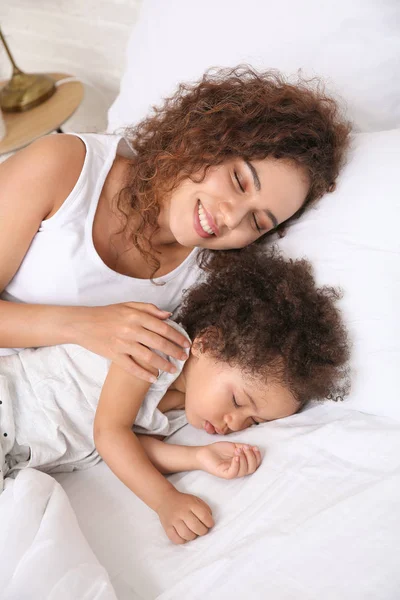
[(243, 469), (258, 455), (184, 532), (174, 536), (196, 525), (234, 467), (251, 459)]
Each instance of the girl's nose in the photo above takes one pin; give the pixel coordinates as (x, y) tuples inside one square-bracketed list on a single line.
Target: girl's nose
[(236, 422)]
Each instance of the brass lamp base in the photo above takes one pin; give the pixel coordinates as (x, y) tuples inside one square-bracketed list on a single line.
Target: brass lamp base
[(24, 91)]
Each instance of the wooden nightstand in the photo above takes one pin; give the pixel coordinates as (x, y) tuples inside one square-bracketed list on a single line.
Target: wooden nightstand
[(24, 127)]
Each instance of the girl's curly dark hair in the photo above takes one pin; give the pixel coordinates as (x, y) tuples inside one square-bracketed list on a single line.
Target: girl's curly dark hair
[(263, 313), (231, 113)]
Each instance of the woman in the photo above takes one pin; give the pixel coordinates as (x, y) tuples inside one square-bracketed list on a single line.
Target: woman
[(100, 237)]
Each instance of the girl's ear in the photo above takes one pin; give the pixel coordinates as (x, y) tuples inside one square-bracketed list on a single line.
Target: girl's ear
[(210, 338), (196, 347)]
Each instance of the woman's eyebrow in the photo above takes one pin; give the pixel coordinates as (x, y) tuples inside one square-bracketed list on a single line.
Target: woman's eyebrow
[(257, 185)]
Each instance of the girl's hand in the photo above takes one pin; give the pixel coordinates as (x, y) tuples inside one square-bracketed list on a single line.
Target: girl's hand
[(184, 517), (228, 459), (125, 333)]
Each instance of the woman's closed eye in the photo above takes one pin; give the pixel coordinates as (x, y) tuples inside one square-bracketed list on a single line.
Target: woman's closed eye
[(239, 182), (259, 229), (242, 189)]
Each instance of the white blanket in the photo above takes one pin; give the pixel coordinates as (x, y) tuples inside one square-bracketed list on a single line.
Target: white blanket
[(319, 519), (43, 553)]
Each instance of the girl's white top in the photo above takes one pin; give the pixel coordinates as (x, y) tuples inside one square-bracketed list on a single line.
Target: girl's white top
[(62, 266), (48, 400)]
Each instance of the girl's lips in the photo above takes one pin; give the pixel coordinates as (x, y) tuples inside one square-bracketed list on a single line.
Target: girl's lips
[(209, 428)]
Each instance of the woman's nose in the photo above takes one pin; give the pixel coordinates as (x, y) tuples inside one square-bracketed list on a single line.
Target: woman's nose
[(232, 213)]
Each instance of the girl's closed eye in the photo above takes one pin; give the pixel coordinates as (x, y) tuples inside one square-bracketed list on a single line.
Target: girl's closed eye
[(236, 405)]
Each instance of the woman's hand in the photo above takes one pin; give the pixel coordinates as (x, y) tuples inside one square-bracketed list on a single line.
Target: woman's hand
[(184, 517), (228, 459), (125, 333)]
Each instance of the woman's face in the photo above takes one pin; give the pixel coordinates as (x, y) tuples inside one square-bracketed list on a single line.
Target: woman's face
[(236, 203)]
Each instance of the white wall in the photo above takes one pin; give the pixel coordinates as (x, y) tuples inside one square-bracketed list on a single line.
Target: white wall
[(86, 38)]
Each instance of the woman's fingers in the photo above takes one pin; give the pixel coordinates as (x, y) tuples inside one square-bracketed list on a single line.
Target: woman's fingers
[(151, 321), (157, 342), (127, 363), (149, 308), (146, 357)]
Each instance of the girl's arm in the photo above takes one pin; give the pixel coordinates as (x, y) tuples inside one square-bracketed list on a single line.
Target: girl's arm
[(183, 516), (170, 458), (120, 400), (34, 183)]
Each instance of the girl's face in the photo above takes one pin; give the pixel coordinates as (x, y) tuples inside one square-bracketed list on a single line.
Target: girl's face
[(220, 399), (236, 203)]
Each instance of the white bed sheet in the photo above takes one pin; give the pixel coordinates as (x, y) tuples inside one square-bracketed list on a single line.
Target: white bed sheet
[(319, 519)]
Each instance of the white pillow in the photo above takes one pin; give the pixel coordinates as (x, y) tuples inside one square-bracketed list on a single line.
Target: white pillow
[(355, 45), (352, 238)]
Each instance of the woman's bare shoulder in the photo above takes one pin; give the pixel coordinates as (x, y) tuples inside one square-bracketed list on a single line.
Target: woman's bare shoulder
[(33, 185), (50, 165)]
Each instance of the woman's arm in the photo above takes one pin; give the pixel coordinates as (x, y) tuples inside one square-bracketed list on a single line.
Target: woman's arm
[(33, 185)]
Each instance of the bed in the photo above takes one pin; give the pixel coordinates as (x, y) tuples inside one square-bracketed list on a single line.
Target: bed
[(321, 516)]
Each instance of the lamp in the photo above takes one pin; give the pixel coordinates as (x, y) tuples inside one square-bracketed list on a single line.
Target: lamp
[(24, 90)]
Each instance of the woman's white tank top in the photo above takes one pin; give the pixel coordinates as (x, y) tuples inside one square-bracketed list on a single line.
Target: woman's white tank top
[(62, 266)]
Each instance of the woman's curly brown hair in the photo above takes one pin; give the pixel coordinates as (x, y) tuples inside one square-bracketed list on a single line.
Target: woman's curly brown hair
[(264, 314), (231, 113)]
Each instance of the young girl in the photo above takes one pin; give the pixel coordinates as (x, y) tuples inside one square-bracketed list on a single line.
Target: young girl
[(265, 341), (99, 233)]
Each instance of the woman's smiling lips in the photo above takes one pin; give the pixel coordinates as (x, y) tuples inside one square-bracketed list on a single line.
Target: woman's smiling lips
[(210, 222)]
